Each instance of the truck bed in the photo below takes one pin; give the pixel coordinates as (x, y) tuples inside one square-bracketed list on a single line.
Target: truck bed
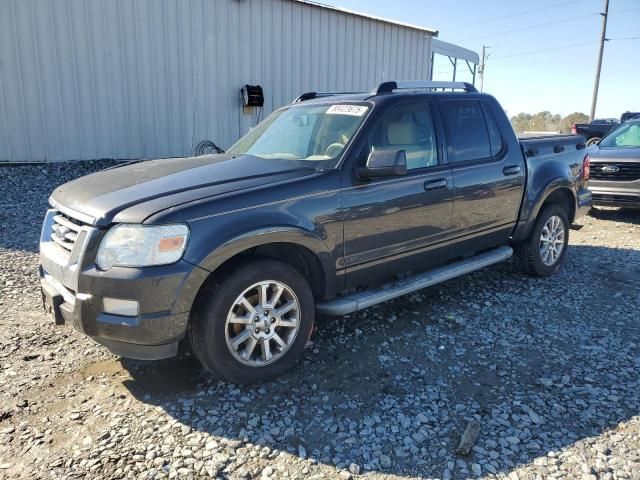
[(550, 145)]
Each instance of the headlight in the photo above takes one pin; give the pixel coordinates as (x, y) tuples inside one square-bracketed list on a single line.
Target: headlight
[(129, 245)]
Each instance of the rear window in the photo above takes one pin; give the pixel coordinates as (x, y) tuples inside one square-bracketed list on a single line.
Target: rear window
[(467, 132)]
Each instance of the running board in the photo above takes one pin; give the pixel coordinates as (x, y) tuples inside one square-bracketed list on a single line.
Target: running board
[(367, 298)]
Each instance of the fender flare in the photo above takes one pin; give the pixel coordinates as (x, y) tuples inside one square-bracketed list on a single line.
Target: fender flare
[(525, 226), (282, 234)]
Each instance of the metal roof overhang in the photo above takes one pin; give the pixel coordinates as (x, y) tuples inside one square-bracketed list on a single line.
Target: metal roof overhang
[(430, 31), (454, 51)]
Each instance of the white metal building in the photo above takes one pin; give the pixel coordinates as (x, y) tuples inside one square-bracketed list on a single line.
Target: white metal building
[(125, 79)]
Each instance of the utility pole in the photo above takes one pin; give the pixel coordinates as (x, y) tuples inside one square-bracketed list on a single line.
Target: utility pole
[(482, 65), (603, 38)]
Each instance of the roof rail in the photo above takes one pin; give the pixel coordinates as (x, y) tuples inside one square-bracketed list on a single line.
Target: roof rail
[(311, 95), (387, 87)]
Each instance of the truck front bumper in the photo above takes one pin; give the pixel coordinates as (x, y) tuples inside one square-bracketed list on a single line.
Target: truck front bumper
[(74, 292), (613, 193)]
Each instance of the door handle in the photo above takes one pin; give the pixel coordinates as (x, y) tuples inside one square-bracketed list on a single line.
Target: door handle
[(511, 170), (435, 184)]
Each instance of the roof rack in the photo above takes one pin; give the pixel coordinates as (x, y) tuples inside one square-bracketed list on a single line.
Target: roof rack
[(311, 95), (387, 87)]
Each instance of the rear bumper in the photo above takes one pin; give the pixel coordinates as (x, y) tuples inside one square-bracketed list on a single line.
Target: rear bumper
[(583, 203)]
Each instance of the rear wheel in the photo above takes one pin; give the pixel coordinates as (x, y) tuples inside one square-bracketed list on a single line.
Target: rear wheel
[(542, 253), (253, 323)]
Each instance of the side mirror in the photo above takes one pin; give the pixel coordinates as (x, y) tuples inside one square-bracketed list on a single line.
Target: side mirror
[(384, 163)]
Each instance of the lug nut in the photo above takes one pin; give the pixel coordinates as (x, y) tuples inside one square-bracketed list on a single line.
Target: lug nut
[(268, 331), (257, 330), (273, 320)]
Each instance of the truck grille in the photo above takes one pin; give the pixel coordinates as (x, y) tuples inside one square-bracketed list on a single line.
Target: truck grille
[(615, 171), (65, 231)]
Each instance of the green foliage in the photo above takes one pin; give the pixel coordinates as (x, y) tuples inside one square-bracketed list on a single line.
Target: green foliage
[(546, 122)]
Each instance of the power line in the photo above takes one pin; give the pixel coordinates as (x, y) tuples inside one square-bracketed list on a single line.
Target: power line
[(511, 15), (563, 47), (624, 11), (622, 38), (531, 26), (531, 52)]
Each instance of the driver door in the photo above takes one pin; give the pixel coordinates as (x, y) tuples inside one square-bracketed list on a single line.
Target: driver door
[(400, 224)]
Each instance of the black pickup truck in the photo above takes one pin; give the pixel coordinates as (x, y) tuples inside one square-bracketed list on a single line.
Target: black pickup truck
[(333, 203), (595, 130)]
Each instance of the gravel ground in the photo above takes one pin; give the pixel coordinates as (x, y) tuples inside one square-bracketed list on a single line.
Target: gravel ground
[(546, 371)]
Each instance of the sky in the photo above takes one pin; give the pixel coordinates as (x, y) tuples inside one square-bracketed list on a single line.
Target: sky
[(559, 79)]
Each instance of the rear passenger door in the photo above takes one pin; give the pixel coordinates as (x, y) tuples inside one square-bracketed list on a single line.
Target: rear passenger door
[(488, 179)]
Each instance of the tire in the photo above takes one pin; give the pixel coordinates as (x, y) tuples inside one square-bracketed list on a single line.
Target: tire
[(221, 318), (530, 251), (593, 141)]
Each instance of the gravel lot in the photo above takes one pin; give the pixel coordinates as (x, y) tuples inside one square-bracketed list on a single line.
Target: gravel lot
[(548, 370)]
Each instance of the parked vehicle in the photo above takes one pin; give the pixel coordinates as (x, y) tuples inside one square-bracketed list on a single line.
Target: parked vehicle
[(615, 167), (594, 130), (330, 205), (629, 116)]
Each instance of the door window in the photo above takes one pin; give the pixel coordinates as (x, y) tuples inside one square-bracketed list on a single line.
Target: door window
[(467, 132), (407, 127)]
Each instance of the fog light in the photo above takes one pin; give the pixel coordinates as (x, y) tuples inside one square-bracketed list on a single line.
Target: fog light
[(117, 306)]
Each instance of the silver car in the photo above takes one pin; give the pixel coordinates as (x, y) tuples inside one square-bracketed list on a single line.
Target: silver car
[(615, 167)]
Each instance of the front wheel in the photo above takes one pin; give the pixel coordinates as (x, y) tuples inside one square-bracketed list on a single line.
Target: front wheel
[(593, 141), (542, 253), (253, 323)]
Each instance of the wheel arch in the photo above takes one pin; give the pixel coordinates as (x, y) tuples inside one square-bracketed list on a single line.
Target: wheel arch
[(299, 248), (560, 193)]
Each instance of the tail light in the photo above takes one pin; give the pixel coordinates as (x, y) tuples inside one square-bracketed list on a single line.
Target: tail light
[(573, 129), (586, 167)]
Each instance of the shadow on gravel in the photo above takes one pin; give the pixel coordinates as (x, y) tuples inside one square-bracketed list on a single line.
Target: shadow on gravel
[(625, 215), (539, 363)]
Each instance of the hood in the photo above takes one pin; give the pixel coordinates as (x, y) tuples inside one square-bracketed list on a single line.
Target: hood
[(168, 182), (613, 154)]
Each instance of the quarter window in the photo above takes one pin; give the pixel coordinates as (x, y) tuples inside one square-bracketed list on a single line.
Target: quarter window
[(494, 134)]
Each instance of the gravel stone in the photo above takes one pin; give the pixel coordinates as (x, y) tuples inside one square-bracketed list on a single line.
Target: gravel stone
[(548, 368)]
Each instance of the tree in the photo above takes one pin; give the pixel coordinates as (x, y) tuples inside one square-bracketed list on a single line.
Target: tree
[(575, 117), (545, 121)]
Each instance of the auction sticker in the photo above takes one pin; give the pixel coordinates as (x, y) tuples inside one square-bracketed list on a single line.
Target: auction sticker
[(344, 109)]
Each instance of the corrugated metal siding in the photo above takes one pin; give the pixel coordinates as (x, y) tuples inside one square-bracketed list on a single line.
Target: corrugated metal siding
[(90, 79)]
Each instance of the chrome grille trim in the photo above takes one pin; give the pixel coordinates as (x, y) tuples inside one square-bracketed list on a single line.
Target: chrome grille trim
[(65, 231), (622, 171)]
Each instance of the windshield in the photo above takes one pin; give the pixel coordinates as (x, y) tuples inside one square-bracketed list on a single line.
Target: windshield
[(310, 133), (626, 136)]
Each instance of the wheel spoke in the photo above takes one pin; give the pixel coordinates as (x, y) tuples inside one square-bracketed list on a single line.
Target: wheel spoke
[(245, 303), (288, 322), (263, 295), (276, 296), (241, 337), (240, 320), (266, 350), (278, 339), (286, 308), (248, 350)]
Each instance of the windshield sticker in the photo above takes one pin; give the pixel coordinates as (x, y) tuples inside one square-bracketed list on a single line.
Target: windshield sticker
[(355, 110)]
